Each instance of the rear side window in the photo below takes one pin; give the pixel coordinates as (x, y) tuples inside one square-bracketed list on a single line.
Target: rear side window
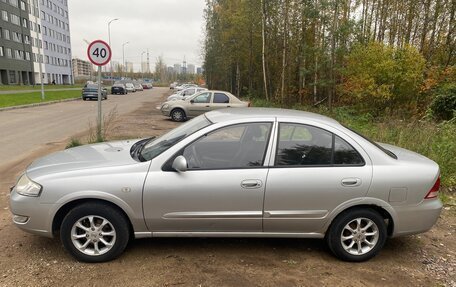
[(220, 98), (345, 154), (304, 145)]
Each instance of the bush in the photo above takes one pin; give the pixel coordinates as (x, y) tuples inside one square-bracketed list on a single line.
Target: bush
[(443, 107)]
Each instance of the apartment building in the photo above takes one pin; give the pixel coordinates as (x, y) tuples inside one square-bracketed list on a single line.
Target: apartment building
[(82, 70), (35, 33), (16, 66)]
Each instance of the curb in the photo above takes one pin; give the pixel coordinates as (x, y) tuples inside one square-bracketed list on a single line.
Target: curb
[(39, 104)]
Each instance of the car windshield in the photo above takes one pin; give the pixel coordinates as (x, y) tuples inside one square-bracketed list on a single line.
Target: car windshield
[(161, 144)]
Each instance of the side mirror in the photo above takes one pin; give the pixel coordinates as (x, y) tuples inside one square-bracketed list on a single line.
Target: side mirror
[(180, 164), (192, 101)]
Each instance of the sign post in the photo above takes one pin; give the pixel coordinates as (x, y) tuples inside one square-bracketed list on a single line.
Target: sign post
[(99, 54)]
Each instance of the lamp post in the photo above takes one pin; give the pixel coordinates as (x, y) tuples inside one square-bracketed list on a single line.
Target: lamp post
[(123, 55), (109, 39), (142, 70)]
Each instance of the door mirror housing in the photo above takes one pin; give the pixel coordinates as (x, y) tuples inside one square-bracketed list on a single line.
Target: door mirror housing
[(192, 101), (180, 164)]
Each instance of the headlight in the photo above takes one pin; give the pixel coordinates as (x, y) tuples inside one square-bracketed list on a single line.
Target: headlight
[(165, 106), (27, 187)]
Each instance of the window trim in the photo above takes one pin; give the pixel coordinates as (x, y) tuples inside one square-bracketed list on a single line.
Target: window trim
[(167, 165), (332, 164)]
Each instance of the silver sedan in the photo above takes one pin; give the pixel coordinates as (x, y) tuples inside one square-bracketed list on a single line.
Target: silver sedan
[(231, 173)]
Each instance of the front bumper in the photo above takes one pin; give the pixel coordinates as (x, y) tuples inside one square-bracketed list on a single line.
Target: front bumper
[(39, 215), (418, 218)]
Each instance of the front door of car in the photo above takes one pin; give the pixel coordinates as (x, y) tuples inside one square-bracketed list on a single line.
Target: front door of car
[(223, 188), (199, 104), (313, 172)]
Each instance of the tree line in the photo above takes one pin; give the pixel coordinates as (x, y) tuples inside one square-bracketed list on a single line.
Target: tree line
[(382, 52)]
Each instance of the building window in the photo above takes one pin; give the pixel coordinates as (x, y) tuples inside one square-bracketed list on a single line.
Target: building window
[(9, 54), (4, 15), (7, 35), (23, 5), (24, 22), (26, 39), (43, 15), (12, 77), (15, 3), (27, 56), (1, 51), (15, 19)]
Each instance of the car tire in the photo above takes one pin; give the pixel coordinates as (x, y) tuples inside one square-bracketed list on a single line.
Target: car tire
[(81, 237), (357, 235), (178, 115), (84, 98)]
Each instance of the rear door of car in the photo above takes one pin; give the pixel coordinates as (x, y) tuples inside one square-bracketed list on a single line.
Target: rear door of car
[(315, 168), (220, 101)]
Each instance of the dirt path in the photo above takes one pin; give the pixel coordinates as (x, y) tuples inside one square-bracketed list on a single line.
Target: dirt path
[(27, 260)]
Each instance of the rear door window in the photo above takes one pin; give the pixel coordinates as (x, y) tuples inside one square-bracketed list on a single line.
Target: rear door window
[(220, 98)]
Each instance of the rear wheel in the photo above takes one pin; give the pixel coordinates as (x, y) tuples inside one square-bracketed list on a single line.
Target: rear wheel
[(357, 235), (178, 115), (95, 232)]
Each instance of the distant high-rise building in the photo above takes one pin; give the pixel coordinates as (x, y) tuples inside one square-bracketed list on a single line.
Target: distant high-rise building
[(129, 67), (191, 69), (34, 32), (82, 69), (199, 70), (144, 67), (177, 68), (170, 70)]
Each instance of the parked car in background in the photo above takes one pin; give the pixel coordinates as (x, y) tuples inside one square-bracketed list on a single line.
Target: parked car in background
[(173, 85), (90, 91), (184, 86), (147, 86), (180, 110), (130, 87), (231, 173), (119, 89), (138, 86), (185, 93)]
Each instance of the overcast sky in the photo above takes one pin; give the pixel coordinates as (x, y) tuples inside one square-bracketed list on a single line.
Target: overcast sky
[(171, 28)]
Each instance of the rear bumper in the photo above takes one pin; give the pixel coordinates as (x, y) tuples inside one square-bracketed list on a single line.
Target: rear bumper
[(416, 219)]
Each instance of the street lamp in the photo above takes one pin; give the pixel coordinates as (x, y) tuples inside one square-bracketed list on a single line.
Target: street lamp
[(142, 70), (109, 39), (123, 54)]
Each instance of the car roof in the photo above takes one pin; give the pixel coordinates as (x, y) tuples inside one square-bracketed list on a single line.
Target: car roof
[(245, 113)]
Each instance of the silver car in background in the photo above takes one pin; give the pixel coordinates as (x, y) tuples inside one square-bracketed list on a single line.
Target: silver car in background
[(231, 173), (205, 101)]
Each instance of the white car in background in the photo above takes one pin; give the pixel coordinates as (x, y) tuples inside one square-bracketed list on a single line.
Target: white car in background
[(182, 95), (130, 87)]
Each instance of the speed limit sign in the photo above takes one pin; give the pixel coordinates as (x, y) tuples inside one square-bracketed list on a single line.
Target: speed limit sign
[(99, 53)]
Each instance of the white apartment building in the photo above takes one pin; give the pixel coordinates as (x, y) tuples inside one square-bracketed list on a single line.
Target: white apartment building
[(56, 43)]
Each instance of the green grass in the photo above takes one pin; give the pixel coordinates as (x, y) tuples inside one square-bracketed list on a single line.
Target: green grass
[(433, 140), (36, 87), (10, 100)]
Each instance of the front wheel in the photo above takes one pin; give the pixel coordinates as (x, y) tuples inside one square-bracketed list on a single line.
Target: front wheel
[(95, 232), (178, 115), (357, 235)]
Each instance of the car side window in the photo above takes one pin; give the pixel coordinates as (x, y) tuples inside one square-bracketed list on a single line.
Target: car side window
[(237, 146), (303, 145), (345, 154), (203, 98), (220, 98)]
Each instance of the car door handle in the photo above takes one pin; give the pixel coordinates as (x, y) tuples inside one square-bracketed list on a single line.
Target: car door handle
[(228, 106), (208, 106), (351, 182), (251, 183)]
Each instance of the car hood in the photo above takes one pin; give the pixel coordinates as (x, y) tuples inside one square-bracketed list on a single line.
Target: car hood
[(108, 154)]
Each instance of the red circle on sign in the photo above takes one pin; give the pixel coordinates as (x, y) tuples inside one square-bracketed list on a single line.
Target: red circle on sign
[(107, 46)]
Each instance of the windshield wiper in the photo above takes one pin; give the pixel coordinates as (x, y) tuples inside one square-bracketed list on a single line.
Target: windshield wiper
[(136, 149)]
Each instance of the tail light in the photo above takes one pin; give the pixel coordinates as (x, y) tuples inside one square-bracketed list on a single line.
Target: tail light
[(434, 192)]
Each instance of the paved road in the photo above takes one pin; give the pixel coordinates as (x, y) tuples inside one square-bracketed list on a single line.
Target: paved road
[(36, 91), (24, 130)]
